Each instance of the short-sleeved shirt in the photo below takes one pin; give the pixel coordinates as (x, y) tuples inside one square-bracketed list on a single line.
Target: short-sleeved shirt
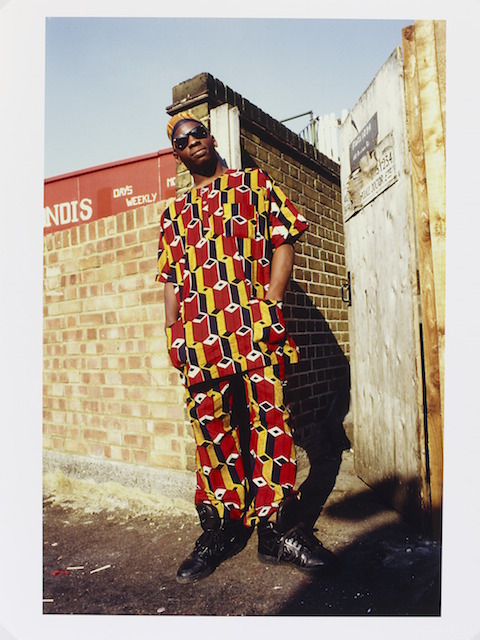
[(216, 247)]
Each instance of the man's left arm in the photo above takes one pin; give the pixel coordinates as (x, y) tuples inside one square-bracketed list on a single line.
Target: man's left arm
[(280, 271)]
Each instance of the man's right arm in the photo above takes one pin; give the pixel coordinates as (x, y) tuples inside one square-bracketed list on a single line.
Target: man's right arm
[(171, 307)]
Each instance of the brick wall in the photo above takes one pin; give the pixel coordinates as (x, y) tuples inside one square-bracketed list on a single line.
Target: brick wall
[(109, 389), (315, 313)]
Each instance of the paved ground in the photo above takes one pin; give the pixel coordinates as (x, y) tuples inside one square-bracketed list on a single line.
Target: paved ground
[(110, 551)]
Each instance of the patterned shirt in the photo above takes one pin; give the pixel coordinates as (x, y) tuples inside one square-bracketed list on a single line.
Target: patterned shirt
[(216, 247)]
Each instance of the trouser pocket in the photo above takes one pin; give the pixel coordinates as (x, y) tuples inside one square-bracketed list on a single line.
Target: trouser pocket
[(268, 321), (176, 344)]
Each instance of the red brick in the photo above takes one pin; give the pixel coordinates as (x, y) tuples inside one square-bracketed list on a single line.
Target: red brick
[(131, 268), (137, 441), (140, 457), (149, 234), (164, 428), (135, 378), (96, 435)]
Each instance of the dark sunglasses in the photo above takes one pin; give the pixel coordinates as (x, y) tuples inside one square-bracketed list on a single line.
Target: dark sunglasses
[(198, 133)]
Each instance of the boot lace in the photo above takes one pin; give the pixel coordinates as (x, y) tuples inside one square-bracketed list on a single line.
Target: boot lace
[(297, 540), (214, 543)]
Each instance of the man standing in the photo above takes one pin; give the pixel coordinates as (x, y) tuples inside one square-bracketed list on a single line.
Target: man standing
[(225, 255)]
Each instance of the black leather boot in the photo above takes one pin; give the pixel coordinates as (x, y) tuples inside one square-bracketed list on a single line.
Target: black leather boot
[(218, 542), (290, 541)]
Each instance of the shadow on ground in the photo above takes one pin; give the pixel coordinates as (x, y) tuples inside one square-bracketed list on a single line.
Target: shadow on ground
[(117, 562)]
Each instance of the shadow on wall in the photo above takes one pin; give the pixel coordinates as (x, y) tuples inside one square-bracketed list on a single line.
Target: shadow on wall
[(319, 397)]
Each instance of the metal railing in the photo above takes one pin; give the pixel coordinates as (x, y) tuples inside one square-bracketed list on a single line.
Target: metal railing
[(322, 132)]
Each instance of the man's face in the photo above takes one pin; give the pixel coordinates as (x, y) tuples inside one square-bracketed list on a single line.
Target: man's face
[(199, 153)]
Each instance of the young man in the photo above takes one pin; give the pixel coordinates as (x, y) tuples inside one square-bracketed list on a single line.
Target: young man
[(225, 256)]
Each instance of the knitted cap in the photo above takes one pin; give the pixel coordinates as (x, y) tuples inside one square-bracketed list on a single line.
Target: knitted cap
[(177, 119)]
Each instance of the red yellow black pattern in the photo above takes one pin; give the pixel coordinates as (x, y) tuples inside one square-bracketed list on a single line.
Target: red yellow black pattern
[(216, 246), (249, 485)]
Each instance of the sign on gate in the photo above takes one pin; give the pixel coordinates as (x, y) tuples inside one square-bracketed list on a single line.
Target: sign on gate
[(375, 173), (364, 143)]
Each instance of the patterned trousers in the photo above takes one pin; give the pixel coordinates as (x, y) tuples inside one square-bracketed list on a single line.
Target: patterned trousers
[(245, 453)]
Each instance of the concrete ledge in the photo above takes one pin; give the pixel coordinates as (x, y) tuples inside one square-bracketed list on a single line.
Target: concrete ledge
[(169, 483)]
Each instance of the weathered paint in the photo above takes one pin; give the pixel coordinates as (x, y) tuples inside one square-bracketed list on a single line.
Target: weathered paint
[(384, 321)]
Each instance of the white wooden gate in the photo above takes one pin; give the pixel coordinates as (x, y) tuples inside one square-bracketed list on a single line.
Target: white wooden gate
[(386, 358)]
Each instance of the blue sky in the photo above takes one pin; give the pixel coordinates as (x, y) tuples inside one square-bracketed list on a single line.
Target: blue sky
[(108, 80)]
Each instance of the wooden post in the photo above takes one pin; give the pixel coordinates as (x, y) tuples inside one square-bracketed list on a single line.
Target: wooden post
[(425, 101)]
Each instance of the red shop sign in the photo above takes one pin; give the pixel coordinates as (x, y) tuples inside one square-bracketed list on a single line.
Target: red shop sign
[(75, 198)]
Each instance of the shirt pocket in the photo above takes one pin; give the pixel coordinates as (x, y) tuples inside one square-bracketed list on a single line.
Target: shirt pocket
[(239, 220)]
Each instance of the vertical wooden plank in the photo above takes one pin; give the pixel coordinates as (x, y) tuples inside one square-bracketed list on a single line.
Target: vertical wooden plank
[(440, 30), (434, 145), (426, 274)]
